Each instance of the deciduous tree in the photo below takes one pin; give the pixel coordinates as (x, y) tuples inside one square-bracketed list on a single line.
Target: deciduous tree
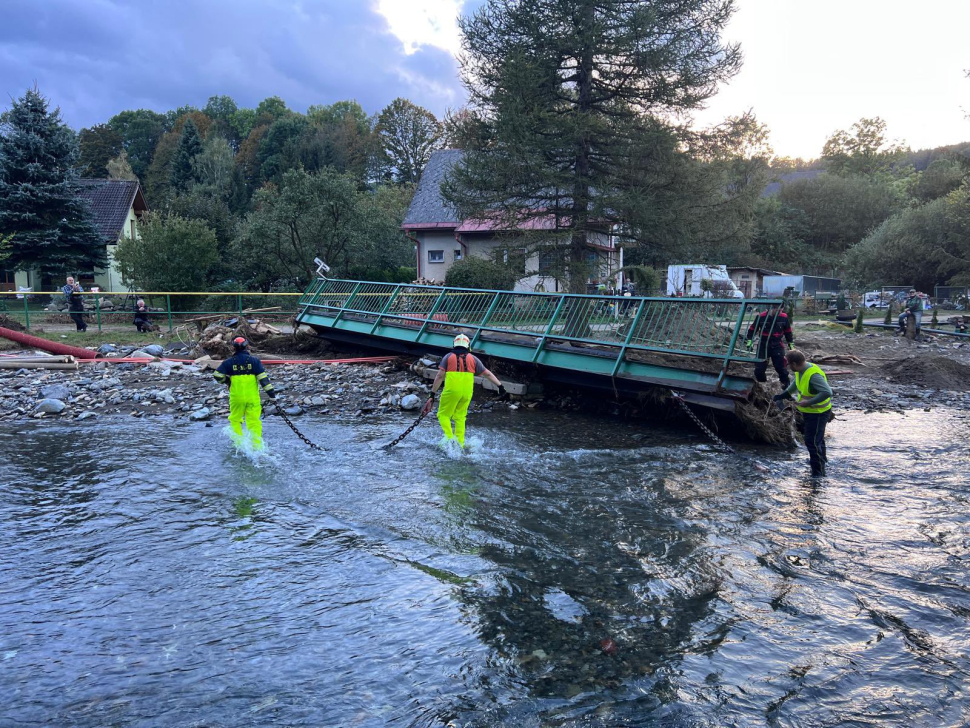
[(408, 135)]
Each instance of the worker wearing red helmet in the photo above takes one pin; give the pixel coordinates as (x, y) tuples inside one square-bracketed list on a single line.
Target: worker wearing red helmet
[(244, 374), (457, 372)]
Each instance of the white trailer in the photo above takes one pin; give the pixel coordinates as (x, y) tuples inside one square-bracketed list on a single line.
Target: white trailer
[(687, 280)]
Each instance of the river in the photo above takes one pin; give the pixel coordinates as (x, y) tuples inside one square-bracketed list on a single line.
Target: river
[(571, 571)]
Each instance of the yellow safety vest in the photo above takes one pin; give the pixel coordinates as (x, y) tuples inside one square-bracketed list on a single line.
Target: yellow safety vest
[(802, 380)]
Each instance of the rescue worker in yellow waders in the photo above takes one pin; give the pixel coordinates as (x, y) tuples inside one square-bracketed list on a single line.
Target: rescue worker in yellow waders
[(457, 372), (813, 398), (244, 374)]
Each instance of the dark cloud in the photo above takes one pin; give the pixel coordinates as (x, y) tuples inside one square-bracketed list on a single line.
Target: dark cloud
[(94, 58)]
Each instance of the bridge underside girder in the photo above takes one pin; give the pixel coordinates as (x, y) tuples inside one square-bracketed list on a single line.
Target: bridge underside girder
[(560, 361)]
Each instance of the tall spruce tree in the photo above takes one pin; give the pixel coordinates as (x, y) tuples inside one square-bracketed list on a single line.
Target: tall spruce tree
[(189, 147), (48, 225), (576, 97)]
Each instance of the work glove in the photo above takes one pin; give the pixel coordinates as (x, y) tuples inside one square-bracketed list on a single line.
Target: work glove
[(779, 400), (271, 394), (428, 405), (749, 345), (791, 345), (503, 394)]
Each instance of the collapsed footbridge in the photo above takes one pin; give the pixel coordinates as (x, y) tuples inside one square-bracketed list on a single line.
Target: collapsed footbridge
[(621, 344)]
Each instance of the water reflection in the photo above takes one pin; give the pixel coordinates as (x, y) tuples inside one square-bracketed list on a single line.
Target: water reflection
[(570, 572)]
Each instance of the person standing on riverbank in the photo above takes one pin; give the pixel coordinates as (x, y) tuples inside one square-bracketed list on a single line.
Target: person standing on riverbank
[(244, 374), (774, 326), (75, 303), (813, 398), (457, 371)]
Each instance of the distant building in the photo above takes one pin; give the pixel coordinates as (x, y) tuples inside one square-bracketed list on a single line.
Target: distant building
[(117, 205), (776, 286), (750, 281), (441, 238)]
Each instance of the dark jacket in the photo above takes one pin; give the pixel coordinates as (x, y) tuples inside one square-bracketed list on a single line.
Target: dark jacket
[(772, 331)]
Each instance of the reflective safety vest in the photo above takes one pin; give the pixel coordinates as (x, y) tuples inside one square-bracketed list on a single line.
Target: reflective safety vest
[(460, 373), (802, 380)]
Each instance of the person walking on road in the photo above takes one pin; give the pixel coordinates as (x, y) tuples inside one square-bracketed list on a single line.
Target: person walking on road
[(244, 374), (813, 398), (774, 326), (913, 307), (75, 303), (457, 371)]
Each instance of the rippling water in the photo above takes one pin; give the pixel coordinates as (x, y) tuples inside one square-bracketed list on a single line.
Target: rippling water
[(150, 576)]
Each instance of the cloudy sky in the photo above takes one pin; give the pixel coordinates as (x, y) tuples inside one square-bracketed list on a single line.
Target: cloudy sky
[(811, 67)]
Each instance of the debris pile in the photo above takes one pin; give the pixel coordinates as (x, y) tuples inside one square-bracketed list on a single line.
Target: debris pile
[(936, 372)]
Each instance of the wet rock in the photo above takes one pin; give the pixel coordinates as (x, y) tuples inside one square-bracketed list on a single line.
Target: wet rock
[(55, 391), (87, 415), (294, 410), (50, 406), (411, 402), (107, 349), (139, 354), (154, 350), (200, 415)]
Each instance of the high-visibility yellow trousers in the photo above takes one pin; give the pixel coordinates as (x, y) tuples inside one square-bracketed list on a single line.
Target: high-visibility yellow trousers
[(454, 403), (244, 404)]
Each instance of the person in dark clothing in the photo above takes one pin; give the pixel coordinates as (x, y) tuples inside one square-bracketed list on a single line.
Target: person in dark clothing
[(773, 326), (75, 304), (813, 398), (141, 321)]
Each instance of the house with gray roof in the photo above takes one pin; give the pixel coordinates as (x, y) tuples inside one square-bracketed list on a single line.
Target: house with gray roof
[(117, 206), (441, 237)]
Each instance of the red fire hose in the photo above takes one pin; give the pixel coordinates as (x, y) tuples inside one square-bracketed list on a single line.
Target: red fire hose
[(52, 346)]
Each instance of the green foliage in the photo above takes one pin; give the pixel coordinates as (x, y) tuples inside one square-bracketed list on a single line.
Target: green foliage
[(401, 274), (858, 320), (173, 254), (189, 147), (888, 320), (935, 320), (408, 135), (474, 272), (273, 107), (647, 280), (140, 133), (316, 215), (863, 151), (840, 302), (48, 225), (571, 106), (119, 168), (922, 245), (99, 144)]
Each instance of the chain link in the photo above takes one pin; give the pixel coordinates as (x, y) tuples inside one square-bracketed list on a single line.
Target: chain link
[(707, 430), (411, 429), (313, 446)]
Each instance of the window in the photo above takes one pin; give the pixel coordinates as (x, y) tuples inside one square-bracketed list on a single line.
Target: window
[(133, 223), (457, 253), (548, 263), (436, 256), (514, 258)]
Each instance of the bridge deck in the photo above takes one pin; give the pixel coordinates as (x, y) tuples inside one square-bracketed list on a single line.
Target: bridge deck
[(681, 343)]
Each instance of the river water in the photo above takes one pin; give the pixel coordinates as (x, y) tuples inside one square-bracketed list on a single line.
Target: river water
[(571, 571)]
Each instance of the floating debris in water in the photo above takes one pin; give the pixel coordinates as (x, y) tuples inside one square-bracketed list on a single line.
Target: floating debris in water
[(609, 646)]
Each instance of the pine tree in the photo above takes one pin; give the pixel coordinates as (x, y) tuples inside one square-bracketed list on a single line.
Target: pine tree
[(572, 95), (50, 226), (190, 146)]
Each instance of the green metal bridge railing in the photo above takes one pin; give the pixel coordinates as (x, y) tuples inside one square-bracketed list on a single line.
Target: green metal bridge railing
[(689, 327)]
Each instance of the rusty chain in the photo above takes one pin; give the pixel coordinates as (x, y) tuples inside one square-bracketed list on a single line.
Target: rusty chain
[(707, 430), (312, 445)]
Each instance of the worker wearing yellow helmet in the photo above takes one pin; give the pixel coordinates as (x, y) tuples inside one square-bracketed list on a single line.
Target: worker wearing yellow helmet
[(457, 371)]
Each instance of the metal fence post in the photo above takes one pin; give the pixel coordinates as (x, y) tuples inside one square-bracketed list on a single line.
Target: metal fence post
[(545, 335), (97, 307), (26, 313), (168, 306), (730, 350), (239, 301), (629, 337), (488, 314)]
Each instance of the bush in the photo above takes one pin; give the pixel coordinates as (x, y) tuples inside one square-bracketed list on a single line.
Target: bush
[(401, 274), (472, 272), (173, 254)]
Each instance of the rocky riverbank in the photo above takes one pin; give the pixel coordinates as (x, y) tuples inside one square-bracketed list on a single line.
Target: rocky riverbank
[(162, 388)]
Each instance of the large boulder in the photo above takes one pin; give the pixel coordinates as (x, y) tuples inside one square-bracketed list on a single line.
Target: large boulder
[(153, 349), (411, 402), (50, 406), (200, 414)]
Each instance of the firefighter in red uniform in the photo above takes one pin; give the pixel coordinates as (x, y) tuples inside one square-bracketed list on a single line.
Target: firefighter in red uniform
[(773, 325)]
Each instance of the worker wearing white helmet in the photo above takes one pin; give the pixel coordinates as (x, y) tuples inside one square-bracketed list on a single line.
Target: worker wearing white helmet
[(457, 372)]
